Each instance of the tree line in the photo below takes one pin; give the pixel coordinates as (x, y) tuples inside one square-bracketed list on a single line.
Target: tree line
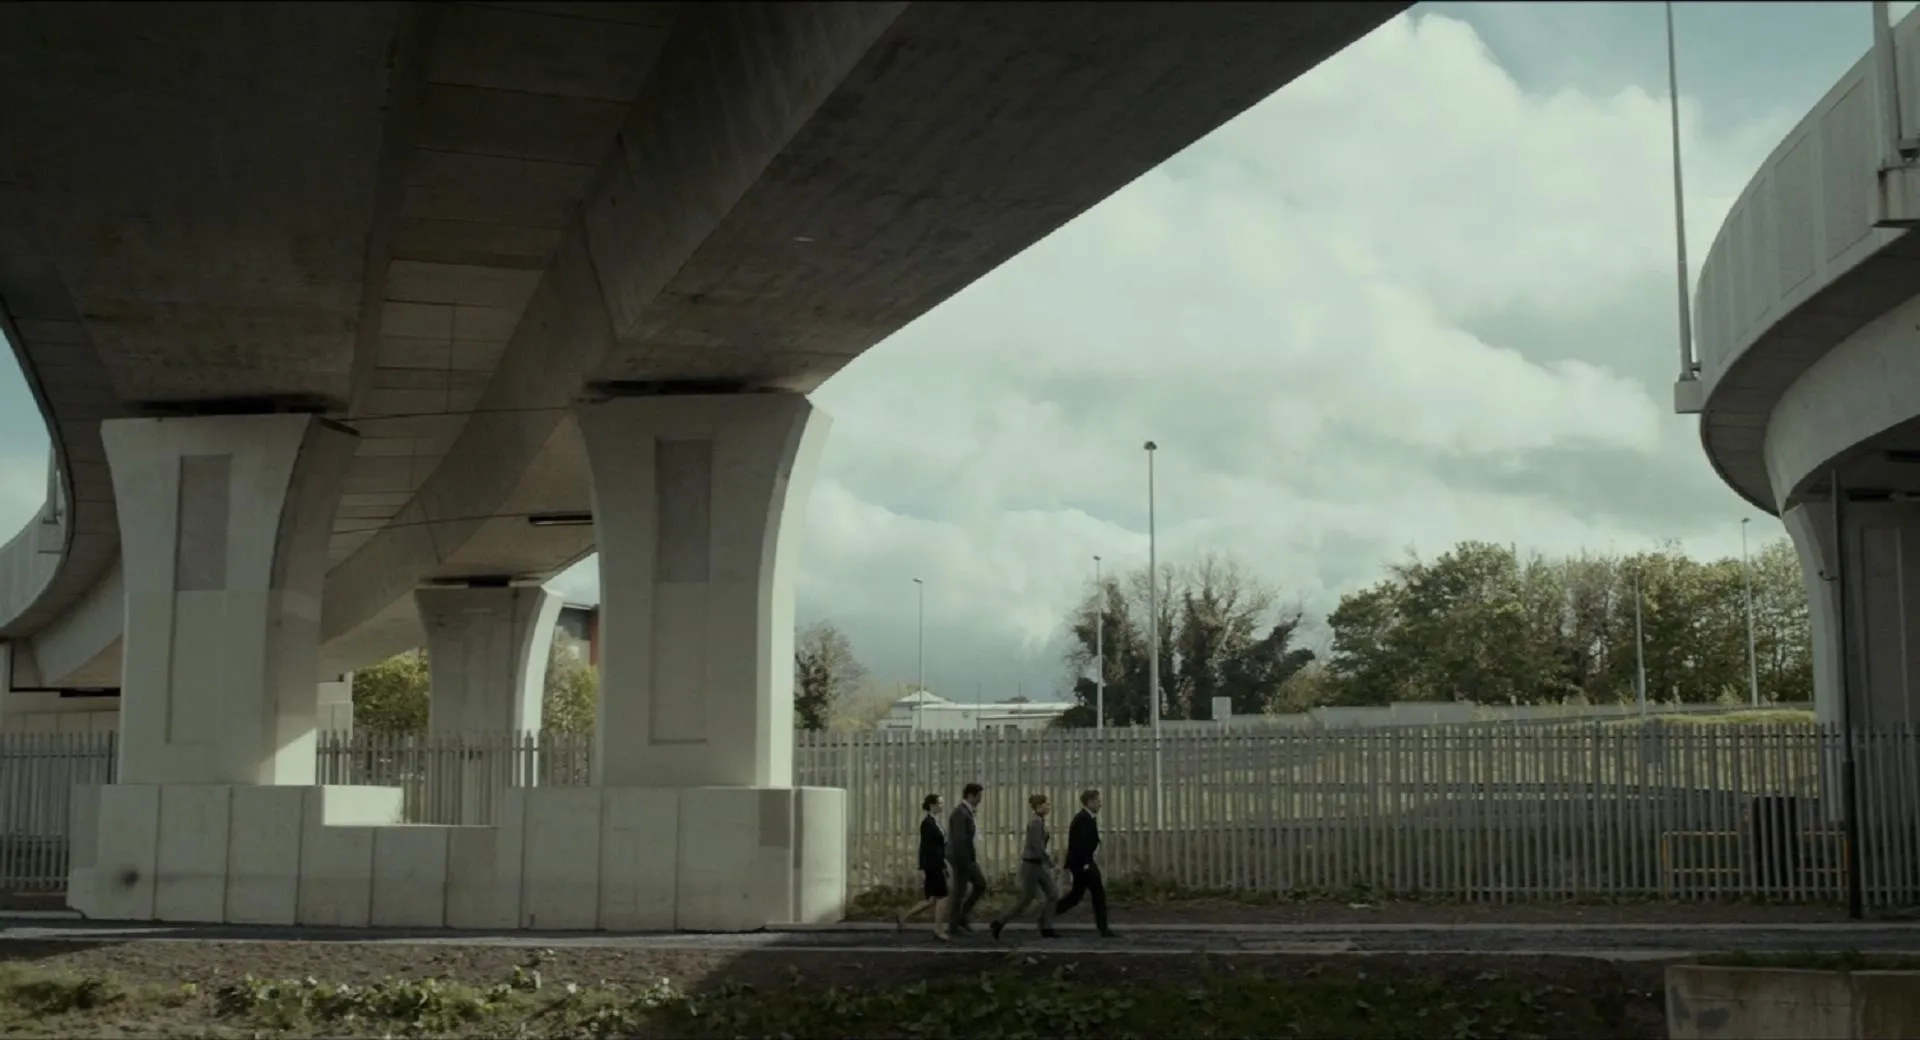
[(830, 687), (392, 696), (1479, 623)]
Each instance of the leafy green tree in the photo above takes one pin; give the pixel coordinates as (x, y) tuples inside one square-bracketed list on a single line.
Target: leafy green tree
[(1222, 635), (391, 697), (825, 672), (1480, 623), (572, 695)]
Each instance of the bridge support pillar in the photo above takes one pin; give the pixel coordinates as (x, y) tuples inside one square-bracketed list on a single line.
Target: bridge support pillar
[(1880, 646), (224, 522), (1881, 556), (487, 650), (698, 501)]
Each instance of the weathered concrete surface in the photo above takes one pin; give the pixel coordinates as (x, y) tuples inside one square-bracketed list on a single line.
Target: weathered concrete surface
[(1710, 1003), (446, 223)]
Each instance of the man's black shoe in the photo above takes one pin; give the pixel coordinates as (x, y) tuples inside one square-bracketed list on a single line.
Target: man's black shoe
[(1048, 933), (995, 928)]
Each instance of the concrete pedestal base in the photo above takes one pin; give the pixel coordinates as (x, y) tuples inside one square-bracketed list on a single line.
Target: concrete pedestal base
[(607, 858)]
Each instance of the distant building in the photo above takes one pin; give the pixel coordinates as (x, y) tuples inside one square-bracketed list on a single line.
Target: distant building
[(582, 622), (930, 712)]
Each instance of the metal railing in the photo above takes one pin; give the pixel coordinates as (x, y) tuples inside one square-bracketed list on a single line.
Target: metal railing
[(1471, 813)]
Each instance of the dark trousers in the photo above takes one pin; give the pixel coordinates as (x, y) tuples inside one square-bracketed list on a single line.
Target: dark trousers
[(1086, 882), (969, 884)]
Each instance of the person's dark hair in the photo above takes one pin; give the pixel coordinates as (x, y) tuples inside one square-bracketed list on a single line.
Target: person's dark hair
[(1087, 796), (927, 803), (1036, 800), (970, 790)]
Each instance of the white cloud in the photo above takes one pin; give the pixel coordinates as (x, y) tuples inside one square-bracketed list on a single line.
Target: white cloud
[(1287, 308)]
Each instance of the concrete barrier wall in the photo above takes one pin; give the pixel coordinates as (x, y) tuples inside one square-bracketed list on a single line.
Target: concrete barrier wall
[(1707, 1002)]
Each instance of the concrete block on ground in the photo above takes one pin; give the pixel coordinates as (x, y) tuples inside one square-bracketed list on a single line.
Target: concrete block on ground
[(190, 875), (476, 897), (263, 855), (1720, 1003), (127, 851), (560, 884), (820, 861), (410, 873), (639, 859)]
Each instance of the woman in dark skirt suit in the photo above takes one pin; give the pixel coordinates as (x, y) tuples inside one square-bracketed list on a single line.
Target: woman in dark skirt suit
[(933, 869)]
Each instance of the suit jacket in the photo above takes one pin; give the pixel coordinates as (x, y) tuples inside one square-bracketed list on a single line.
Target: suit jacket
[(1083, 840), (933, 845), (1035, 849), (960, 836)]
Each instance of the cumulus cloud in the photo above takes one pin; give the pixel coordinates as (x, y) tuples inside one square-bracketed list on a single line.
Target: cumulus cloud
[(1401, 303)]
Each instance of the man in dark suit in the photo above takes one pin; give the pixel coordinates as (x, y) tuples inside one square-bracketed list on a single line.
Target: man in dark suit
[(1083, 840), (969, 881)]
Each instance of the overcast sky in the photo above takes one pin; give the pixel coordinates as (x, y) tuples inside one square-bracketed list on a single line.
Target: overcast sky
[(1423, 294)]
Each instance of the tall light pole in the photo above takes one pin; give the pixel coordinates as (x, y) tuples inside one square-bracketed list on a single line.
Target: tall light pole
[(1753, 660), (1153, 641), (920, 696), (1687, 363), (1639, 649), (1099, 650)]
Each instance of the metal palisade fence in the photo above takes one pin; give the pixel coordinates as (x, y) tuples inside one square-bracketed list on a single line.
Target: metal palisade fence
[(1588, 809)]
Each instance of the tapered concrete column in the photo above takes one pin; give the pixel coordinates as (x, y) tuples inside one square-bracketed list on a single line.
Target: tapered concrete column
[(487, 662), (223, 530), (1880, 647), (1882, 560), (487, 656), (697, 506)]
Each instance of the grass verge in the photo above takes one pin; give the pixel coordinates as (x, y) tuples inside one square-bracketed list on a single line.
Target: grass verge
[(1015, 995)]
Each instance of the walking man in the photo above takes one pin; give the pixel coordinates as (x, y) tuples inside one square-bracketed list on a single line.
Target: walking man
[(969, 881), (1083, 840), (1036, 872)]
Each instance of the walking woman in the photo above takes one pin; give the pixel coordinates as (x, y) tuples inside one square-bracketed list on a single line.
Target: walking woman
[(933, 867), (1036, 872)]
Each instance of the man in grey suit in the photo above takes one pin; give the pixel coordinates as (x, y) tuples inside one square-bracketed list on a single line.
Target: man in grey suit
[(963, 851), (1036, 872)]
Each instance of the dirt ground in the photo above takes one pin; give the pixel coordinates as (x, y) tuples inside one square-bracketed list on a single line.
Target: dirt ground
[(1600, 998)]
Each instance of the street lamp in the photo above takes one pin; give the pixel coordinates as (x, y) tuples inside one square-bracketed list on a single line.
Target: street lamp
[(920, 695), (1099, 650), (1753, 661), (1639, 648), (1153, 641)]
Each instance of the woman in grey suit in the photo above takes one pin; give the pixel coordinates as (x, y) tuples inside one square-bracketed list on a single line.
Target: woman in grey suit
[(1036, 872)]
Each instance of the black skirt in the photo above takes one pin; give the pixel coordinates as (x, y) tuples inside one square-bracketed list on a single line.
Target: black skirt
[(936, 883)]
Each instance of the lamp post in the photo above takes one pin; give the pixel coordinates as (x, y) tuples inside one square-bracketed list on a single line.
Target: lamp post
[(1153, 642), (1753, 660), (1639, 649), (920, 694), (1099, 650)]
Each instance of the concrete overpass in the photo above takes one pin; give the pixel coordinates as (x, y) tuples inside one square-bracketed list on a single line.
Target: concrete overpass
[(1809, 372), (355, 322)]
